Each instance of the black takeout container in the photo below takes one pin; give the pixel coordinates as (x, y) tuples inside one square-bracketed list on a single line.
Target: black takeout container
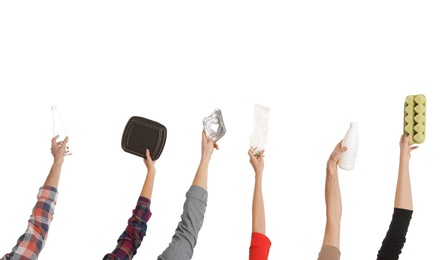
[(142, 133)]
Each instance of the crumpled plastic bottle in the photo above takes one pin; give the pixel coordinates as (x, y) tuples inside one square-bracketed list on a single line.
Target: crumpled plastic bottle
[(258, 139)]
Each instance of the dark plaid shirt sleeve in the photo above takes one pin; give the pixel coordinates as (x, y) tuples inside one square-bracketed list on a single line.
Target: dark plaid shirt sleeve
[(131, 239), (30, 244)]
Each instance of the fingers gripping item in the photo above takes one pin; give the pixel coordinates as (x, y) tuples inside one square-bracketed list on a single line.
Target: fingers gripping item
[(59, 129), (214, 126), (141, 134), (261, 126), (415, 118)]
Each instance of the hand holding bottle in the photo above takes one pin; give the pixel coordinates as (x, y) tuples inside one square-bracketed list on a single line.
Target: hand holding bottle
[(58, 150), (59, 129)]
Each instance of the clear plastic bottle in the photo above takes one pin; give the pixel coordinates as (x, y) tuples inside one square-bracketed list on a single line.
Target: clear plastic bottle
[(258, 139), (60, 129), (351, 141)]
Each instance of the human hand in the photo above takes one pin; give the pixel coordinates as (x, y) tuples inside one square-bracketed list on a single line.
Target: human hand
[(207, 146), (335, 156), (149, 162), (405, 148), (58, 149), (257, 160)]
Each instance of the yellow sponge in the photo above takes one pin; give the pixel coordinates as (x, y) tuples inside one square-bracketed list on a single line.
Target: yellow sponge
[(415, 118)]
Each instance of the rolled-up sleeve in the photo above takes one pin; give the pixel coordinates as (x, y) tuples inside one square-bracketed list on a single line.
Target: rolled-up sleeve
[(396, 236), (131, 239), (30, 244), (185, 238), (260, 246)]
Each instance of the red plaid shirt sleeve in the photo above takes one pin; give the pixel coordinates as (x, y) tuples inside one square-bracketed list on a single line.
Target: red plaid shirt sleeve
[(30, 244), (131, 239)]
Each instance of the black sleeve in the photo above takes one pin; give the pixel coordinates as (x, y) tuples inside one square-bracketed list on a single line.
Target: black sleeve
[(395, 238)]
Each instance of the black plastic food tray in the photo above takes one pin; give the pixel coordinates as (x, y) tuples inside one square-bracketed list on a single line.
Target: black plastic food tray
[(142, 133)]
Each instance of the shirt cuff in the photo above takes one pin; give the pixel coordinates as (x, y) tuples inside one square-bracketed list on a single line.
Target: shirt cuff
[(142, 209), (404, 213), (402, 218), (198, 193), (260, 246), (48, 193), (261, 238)]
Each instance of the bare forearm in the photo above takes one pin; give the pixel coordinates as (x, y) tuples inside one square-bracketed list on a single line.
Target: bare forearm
[(403, 198), (53, 178), (201, 177), (147, 189), (333, 207), (333, 194), (258, 214)]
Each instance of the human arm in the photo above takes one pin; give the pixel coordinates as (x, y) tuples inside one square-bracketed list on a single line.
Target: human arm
[(260, 243), (57, 150), (403, 197), (147, 189), (396, 235), (333, 198), (185, 237), (30, 244), (258, 214), (201, 176), (131, 239)]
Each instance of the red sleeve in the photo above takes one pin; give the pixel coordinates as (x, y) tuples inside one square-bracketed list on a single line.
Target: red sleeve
[(260, 245)]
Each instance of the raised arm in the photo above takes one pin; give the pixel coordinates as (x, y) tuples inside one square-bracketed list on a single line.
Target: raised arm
[(403, 197), (185, 238), (147, 189), (131, 239), (403, 208), (333, 202), (57, 150), (333, 198), (30, 244), (201, 177), (260, 243), (258, 214)]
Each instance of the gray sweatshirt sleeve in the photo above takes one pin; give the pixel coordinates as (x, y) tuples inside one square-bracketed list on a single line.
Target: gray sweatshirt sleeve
[(185, 239)]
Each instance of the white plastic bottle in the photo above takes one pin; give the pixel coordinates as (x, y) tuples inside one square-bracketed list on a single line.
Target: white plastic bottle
[(60, 129), (351, 141)]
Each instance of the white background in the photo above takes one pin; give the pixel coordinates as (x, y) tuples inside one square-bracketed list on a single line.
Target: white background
[(317, 64)]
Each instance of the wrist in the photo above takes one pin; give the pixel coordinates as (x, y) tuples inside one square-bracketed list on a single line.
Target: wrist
[(331, 163), (404, 158), (57, 163), (205, 159), (404, 162), (332, 167)]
